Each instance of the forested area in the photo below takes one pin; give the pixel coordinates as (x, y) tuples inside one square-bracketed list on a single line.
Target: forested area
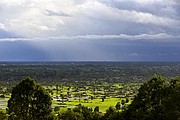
[(51, 72)]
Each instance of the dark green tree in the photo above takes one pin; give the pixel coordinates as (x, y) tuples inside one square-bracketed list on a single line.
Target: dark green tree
[(62, 98), (70, 115), (111, 114), (96, 109), (97, 116), (103, 98), (29, 101), (118, 106), (172, 103), (56, 109), (127, 100), (123, 102), (148, 104), (157, 99), (3, 116), (85, 111)]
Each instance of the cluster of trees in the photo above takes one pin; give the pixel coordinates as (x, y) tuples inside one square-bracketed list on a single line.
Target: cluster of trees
[(157, 99)]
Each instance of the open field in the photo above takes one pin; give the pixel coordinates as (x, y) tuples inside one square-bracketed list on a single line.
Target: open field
[(97, 102)]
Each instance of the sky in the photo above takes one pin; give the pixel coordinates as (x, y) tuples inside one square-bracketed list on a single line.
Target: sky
[(89, 30)]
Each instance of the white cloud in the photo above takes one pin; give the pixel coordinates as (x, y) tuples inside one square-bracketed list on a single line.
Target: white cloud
[(162, 36), (2, 26), (48, 18), (101, 11)]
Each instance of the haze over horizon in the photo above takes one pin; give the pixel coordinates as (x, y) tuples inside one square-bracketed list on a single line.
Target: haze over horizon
[(90, 30)]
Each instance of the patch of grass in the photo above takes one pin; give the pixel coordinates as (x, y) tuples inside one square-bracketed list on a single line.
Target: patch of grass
[(93, 103), (102, 105)]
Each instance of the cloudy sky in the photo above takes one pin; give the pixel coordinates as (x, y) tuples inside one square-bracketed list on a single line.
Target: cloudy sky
[(89, 30)]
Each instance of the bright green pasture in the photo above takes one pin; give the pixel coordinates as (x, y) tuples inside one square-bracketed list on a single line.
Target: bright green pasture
[(92, 103)]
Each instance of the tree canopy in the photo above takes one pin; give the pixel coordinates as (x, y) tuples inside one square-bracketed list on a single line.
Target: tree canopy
[(157, 99), (29, 101)]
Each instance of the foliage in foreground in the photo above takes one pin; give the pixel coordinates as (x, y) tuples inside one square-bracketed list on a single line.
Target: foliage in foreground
[(29, 101), (157, 100)]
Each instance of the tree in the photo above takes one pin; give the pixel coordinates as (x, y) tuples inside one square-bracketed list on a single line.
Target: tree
[(148, 104), (3, 116), (70, 115), (97, 116), (85, 111), (122, 102), (56, 109), (62, 97), (172, 104), (127, 100), (111, 114), (118, 106), (103, 98), (96, 109), (29, 101)]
